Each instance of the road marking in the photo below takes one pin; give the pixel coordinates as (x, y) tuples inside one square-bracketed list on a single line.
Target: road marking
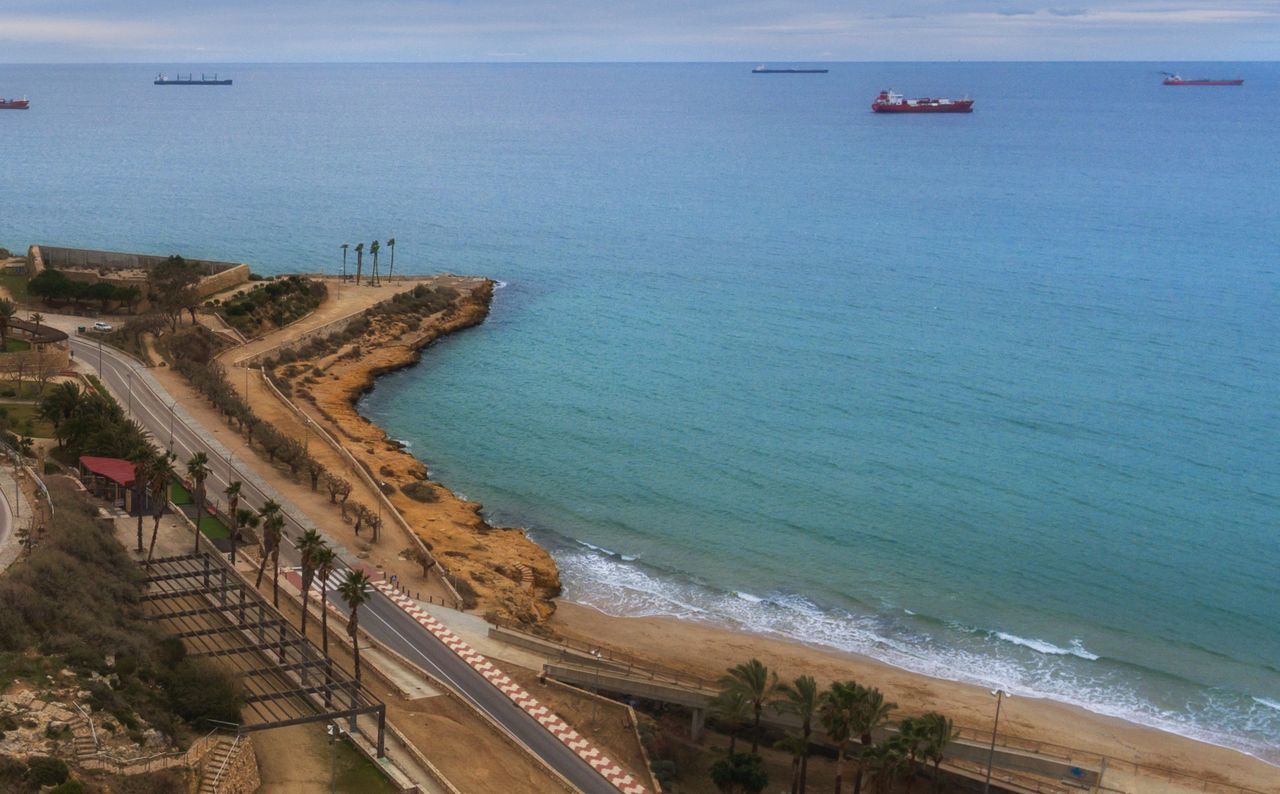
[(548, 719)]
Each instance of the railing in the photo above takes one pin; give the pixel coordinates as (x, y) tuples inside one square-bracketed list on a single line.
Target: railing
[(652, 672), (226, 761), (354, 465)]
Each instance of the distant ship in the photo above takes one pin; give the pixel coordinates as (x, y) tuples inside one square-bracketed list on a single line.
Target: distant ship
[(189, 80), (889, 102), (1173, 79), (765, 70), (13, 104)]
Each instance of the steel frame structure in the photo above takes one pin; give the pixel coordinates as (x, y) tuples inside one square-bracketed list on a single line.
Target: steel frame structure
[(287, 680)]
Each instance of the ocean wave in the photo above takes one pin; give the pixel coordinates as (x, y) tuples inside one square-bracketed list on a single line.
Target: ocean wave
[(600, 578), (1040, 646), (499, 284)]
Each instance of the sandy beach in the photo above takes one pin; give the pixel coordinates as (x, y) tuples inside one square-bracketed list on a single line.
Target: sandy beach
[(515, 579)]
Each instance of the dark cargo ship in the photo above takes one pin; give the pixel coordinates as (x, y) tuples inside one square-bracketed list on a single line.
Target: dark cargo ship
[(766, 70), (190, 80)]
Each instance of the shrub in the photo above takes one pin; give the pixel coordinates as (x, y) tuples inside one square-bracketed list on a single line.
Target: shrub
[(420, 491), (200, 690), (44, 770), (69, 787)]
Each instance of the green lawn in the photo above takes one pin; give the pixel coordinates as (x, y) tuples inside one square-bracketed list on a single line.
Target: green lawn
[(16, 283), (214, 529), (356, 774), (30, 389), (18, 415), (179, 495), (12, 345)]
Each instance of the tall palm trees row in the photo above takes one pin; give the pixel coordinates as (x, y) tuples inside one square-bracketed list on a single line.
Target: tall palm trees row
[(849, 714), (318, 559), (374, 248)]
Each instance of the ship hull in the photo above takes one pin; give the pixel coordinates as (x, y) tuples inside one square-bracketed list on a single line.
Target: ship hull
[(1204, 82), (192, 82), (789, 71), (14, 104), (959, 106)]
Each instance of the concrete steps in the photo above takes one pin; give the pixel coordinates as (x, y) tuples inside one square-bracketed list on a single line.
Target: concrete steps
[(218, 760)]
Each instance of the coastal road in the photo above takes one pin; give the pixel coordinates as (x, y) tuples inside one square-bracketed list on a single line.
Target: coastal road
[(387, 623)]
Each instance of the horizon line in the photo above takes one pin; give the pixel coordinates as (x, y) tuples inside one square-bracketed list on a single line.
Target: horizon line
[(619, 62)]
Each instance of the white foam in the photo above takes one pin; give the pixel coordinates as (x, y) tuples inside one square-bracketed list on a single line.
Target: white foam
[(1040, 646), (499, 284), (1027, 667)]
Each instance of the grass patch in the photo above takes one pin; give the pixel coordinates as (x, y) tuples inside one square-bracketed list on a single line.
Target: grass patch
[(23, 418), (214, 529), (16, 284), (179, 495), (12, 345), (356, 774), (27, 390)]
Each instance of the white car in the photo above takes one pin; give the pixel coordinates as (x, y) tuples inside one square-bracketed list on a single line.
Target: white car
[(101, 326)]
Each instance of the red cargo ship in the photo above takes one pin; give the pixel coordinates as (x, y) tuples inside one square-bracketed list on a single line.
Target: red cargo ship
[(1173, 79), (889, 102), (13, 104)]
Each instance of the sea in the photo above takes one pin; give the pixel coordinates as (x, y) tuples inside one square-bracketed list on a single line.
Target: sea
[(992, 397)]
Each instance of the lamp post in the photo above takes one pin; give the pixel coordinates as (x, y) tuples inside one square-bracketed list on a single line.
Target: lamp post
[(595, 701), (172, 406), (344, 248), (991, 756)]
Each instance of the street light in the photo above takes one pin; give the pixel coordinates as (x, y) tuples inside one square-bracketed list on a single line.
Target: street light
[(344, 248), (595, 701), (991, 757), (172, 406)]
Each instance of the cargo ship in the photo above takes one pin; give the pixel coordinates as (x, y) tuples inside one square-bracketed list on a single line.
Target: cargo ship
[(190, 80), (14, 104), (1173, 79), (890, 102), (766, 70)]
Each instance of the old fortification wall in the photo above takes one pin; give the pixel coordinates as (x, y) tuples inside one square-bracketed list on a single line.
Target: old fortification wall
[(129, 270)]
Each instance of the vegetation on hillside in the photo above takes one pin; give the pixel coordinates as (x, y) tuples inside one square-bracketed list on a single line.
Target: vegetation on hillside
[(131, 670), (272, 304), (53, 286)]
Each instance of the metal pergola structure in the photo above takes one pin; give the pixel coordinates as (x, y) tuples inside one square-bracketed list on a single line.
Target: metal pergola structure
[(287, 680)]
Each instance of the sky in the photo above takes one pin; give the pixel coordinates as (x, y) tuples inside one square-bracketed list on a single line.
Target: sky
[(231, 31)]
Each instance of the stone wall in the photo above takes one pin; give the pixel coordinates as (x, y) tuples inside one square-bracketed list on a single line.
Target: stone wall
[(129, 270)]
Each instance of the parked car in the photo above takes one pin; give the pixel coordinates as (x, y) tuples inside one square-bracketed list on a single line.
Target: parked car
[(101, 326)]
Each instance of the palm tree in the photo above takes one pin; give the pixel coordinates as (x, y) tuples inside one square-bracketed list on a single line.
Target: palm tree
[(910, 740), (359, 261), (325, 560), (142, 467), (373, 249), (391, 243), (162, 475), (7, 310), (731, 707), (355, 591), (59, 405), (871, 714), (801, 697), (232, 492), (198, 470), (272, 526), (757, 685), (37, 318), (938, 732), (344, 248), (308, 544), (837, 712), (885, 760)]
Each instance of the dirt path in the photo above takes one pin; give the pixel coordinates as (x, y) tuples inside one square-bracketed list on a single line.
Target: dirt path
[(384, 555), (344, 300)]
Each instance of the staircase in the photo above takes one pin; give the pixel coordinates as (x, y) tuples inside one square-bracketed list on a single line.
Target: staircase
[(217, 764), (83, 739)]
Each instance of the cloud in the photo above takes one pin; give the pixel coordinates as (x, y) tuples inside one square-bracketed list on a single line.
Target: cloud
[(1015, 12), (1068, 12)]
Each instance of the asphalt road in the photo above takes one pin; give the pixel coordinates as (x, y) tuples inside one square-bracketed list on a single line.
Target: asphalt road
[(387, 623)]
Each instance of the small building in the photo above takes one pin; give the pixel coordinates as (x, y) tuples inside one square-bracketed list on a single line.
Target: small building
[(108, 478)]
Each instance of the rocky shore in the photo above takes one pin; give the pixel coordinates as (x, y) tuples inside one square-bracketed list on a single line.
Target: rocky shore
[(498, 570)]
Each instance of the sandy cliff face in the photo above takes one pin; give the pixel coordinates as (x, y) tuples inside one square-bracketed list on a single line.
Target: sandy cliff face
[(510, 574)]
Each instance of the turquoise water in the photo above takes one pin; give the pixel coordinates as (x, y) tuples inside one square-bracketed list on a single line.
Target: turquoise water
[(992, 397)]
